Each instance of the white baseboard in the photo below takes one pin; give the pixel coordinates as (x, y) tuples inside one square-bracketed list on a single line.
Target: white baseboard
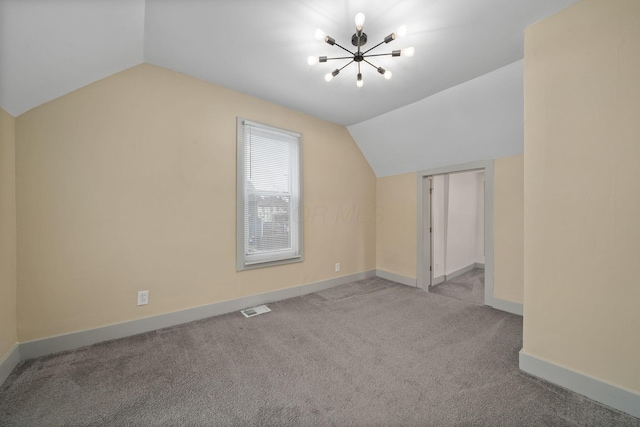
[(508, 306), (601, 391), (438, 280), (479, 265), (71, 341), (394, 277), (9, 362), (459, 272)]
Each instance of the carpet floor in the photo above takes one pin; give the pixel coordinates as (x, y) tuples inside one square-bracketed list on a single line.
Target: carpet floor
[(369, 353), (468, 287)]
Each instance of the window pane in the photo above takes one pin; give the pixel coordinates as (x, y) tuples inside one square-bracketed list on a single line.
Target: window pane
[(269, 223), (270, 171), (268, 165)]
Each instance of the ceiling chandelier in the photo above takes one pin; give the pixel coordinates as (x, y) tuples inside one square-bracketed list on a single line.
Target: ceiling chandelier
[(359, 39)]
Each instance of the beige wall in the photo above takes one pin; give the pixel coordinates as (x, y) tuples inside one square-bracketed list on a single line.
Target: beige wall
[(396, 231), (582, 192), (8, 316), (129, 184), (508, 228)]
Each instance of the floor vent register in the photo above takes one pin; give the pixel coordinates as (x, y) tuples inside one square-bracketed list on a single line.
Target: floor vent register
[(250, 312)]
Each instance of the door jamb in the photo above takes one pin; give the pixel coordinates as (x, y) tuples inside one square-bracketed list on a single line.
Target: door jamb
[(427, 204), (487, 166)]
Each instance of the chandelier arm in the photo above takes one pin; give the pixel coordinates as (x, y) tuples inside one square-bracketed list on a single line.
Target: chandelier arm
[(369, 50), (379, 54), (343, 48), (370, 64), (345, 66), (340, 57)]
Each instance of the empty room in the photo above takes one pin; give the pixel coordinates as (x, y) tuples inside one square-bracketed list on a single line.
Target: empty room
[(298, 213)]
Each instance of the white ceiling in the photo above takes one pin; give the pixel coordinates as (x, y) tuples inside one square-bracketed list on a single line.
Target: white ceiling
[(258, 47)]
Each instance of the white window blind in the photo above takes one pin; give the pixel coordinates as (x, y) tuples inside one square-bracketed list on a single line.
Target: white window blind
[(269, 195)]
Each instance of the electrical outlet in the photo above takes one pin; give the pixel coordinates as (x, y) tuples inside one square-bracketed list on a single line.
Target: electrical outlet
[(337, 267), (143, 297)]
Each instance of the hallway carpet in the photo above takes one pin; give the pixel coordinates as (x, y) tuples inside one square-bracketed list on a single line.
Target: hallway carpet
[(468, 287), (369, 353)]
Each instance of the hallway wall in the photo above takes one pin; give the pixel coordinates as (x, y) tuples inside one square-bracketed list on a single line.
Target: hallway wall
[(458, 221)]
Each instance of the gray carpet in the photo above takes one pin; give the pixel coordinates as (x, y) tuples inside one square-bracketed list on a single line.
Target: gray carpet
[(370, 353), (468, 287)]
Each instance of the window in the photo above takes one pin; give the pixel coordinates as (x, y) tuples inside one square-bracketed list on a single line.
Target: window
[(269, 196)]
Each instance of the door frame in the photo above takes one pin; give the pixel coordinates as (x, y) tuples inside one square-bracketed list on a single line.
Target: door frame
[(424, 264), (427, 236)]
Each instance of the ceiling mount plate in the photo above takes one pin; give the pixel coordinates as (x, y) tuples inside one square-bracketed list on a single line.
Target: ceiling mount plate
[(363, 39)]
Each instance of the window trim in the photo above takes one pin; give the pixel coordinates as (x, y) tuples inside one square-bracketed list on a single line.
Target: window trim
[(296, 216)]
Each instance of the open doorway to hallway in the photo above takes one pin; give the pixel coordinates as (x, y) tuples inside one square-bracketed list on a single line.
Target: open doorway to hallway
[(425, 262), (456, 215)]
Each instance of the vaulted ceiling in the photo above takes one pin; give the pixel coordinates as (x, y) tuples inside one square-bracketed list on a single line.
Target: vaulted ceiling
[(51, 47)]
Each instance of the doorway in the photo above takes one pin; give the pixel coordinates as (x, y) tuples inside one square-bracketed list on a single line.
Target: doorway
[(457, 236), (439, 255)]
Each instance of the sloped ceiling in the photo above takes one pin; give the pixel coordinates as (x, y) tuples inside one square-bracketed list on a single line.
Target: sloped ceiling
[(480, 119), (52, 47)]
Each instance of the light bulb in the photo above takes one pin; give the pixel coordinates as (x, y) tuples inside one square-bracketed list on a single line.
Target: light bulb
[(359, 82), (331, 75), (408, 51), (319, 34), (402, 31), (312, 60), (387, 74), (359, 21)]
